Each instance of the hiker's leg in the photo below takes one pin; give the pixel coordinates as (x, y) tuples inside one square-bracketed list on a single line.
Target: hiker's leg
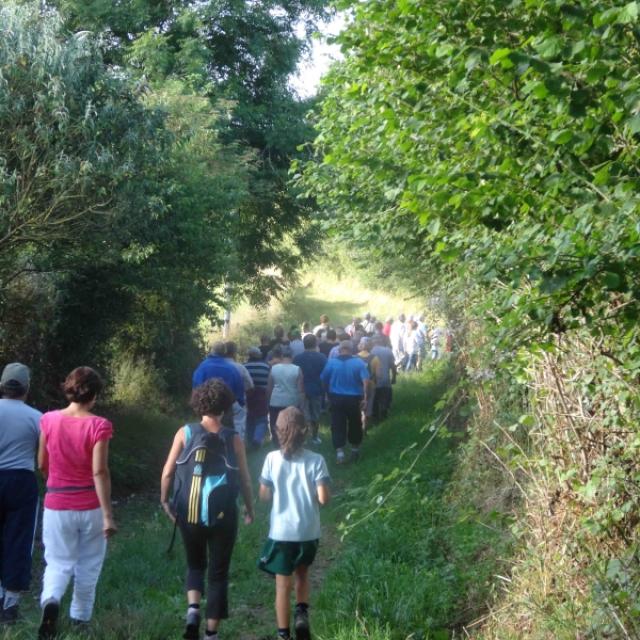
[(195, 547), (60, 538), (260, 430), (274, 412), (251, 427), (303, 585), (20, 499), (220, 542), (338, 422), (312, 413), (354, 420), (92, 546), (283, 597)]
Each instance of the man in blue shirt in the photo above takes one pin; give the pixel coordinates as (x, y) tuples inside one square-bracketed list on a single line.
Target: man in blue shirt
[(345, 378), (216, 366), (312, 363)]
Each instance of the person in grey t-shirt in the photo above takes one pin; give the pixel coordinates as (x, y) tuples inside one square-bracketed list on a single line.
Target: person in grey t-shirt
[(385, 377), (19, 435)]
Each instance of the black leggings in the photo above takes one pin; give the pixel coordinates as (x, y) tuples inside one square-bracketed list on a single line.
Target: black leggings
[(219, 540)]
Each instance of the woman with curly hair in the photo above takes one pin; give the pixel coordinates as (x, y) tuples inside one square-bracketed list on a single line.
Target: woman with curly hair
[(297, 480), (73, 456), (200, 533)]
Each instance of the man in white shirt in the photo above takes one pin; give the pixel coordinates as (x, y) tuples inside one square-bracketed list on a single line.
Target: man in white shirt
[(398, 331)]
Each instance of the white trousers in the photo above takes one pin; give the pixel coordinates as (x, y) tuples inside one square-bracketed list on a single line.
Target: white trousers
[(74, 547), (240, 419)]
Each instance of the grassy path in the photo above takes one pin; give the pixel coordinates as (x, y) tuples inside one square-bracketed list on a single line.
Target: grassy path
[(397, 568)]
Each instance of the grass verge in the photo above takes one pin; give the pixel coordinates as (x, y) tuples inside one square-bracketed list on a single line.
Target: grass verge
[(413, 565)]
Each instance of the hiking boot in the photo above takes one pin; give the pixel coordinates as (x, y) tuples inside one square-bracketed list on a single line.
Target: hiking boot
[(301, 624), (355, 455), (9, 615), (192, 629), (340, 457), (49, 621)]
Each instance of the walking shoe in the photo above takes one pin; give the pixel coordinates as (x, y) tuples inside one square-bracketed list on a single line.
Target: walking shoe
[(80, 625), (192, 629), (48, 623), (340, 457), (301, 624), (9, 615), (355, 455)]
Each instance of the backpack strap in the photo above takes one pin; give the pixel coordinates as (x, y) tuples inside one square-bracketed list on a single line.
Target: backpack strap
[(190, 430), (173, 536), (228, 435)]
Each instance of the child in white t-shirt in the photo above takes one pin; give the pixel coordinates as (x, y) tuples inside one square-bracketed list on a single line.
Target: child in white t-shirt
[(298, 482)]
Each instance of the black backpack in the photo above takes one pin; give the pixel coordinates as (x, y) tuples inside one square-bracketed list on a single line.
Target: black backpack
[(206, 482)]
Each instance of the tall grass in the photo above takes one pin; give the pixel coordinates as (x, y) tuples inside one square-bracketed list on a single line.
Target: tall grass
[(419, 567)]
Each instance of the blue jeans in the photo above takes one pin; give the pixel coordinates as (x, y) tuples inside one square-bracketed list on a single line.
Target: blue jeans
[(257, 429)]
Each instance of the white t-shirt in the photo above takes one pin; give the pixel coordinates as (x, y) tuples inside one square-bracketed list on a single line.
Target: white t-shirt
[(295, 513), (285, 385)]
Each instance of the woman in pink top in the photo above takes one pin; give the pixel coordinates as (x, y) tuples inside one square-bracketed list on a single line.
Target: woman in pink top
[(73, 456)]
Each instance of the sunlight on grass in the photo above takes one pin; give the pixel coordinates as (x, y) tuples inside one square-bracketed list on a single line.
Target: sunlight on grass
[(320, 291)]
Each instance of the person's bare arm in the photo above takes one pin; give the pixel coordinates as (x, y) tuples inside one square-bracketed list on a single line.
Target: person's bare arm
[(102, 481), (245, 479), (43, 456), (168, 472), (324, 493), (269, 388), (265, 493)]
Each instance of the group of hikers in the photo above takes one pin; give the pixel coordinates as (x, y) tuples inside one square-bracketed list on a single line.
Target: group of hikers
[(280, 391), (349, 370)]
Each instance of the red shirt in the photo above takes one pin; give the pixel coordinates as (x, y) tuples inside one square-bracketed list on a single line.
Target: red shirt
[(70, 443), (386, 330)]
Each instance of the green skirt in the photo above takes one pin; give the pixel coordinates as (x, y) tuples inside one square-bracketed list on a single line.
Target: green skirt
[(282, 558)]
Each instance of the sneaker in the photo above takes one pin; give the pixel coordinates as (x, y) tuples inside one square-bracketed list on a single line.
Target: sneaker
[(340, 457), (9, 615), (355, 455), (192, 629), (301, 624), (48, 623), (316, 440)]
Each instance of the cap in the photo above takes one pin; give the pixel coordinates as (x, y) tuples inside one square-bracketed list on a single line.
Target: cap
[(15, 374), (254, 352)]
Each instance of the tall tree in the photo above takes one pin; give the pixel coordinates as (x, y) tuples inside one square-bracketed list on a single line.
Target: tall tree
[(240, 54)]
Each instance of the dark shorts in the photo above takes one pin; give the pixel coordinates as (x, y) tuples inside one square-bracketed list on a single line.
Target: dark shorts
[(282, 558)]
